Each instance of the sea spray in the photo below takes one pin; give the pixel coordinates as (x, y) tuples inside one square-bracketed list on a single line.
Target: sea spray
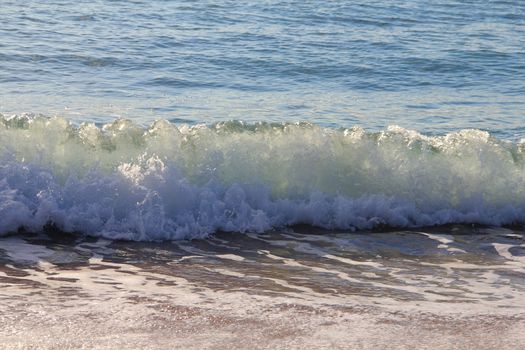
[(166, 181)]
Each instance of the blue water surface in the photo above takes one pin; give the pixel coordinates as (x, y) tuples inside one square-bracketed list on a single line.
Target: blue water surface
[(432, 66)]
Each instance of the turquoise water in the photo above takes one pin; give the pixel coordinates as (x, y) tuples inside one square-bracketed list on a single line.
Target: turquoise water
[(435, 67)]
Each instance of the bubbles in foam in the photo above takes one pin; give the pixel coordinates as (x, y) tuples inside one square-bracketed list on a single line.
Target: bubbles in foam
[(165, 181)]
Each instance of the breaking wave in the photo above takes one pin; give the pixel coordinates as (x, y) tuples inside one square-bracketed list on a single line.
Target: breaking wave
[(167, 181)]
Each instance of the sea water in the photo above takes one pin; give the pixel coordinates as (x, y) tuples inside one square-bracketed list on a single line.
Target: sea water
[(434, 67), (177, 119), (262, 174)]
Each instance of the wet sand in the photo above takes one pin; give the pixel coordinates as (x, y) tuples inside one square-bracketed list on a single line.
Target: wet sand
[(442, 288)]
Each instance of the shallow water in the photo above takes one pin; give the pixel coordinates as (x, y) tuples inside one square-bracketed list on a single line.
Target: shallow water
[(248, 124), (298, 288)]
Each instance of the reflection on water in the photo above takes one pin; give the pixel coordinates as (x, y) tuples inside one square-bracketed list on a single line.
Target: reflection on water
[(445, 265), (409, 278)]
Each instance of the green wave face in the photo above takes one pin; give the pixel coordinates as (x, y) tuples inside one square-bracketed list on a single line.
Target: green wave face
[(169, 181)]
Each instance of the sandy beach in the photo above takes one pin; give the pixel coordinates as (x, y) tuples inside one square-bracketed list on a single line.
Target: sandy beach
[(444, 288), (262, 174)]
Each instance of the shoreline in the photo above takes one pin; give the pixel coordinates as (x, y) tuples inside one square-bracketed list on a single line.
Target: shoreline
[(278, 290)]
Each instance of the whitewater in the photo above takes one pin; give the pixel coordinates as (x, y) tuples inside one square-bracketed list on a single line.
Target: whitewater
[(166, 181), (262, 174)]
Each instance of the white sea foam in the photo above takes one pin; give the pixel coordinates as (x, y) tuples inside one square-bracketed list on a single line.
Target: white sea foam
[(165, 181)]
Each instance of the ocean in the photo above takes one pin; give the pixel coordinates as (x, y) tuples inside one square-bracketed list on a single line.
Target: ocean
[(262, 174)]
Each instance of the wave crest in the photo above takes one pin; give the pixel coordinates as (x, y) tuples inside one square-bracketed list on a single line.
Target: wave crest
[(166, 181)]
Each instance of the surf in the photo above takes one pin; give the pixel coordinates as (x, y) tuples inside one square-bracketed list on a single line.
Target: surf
[(165, 181)]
